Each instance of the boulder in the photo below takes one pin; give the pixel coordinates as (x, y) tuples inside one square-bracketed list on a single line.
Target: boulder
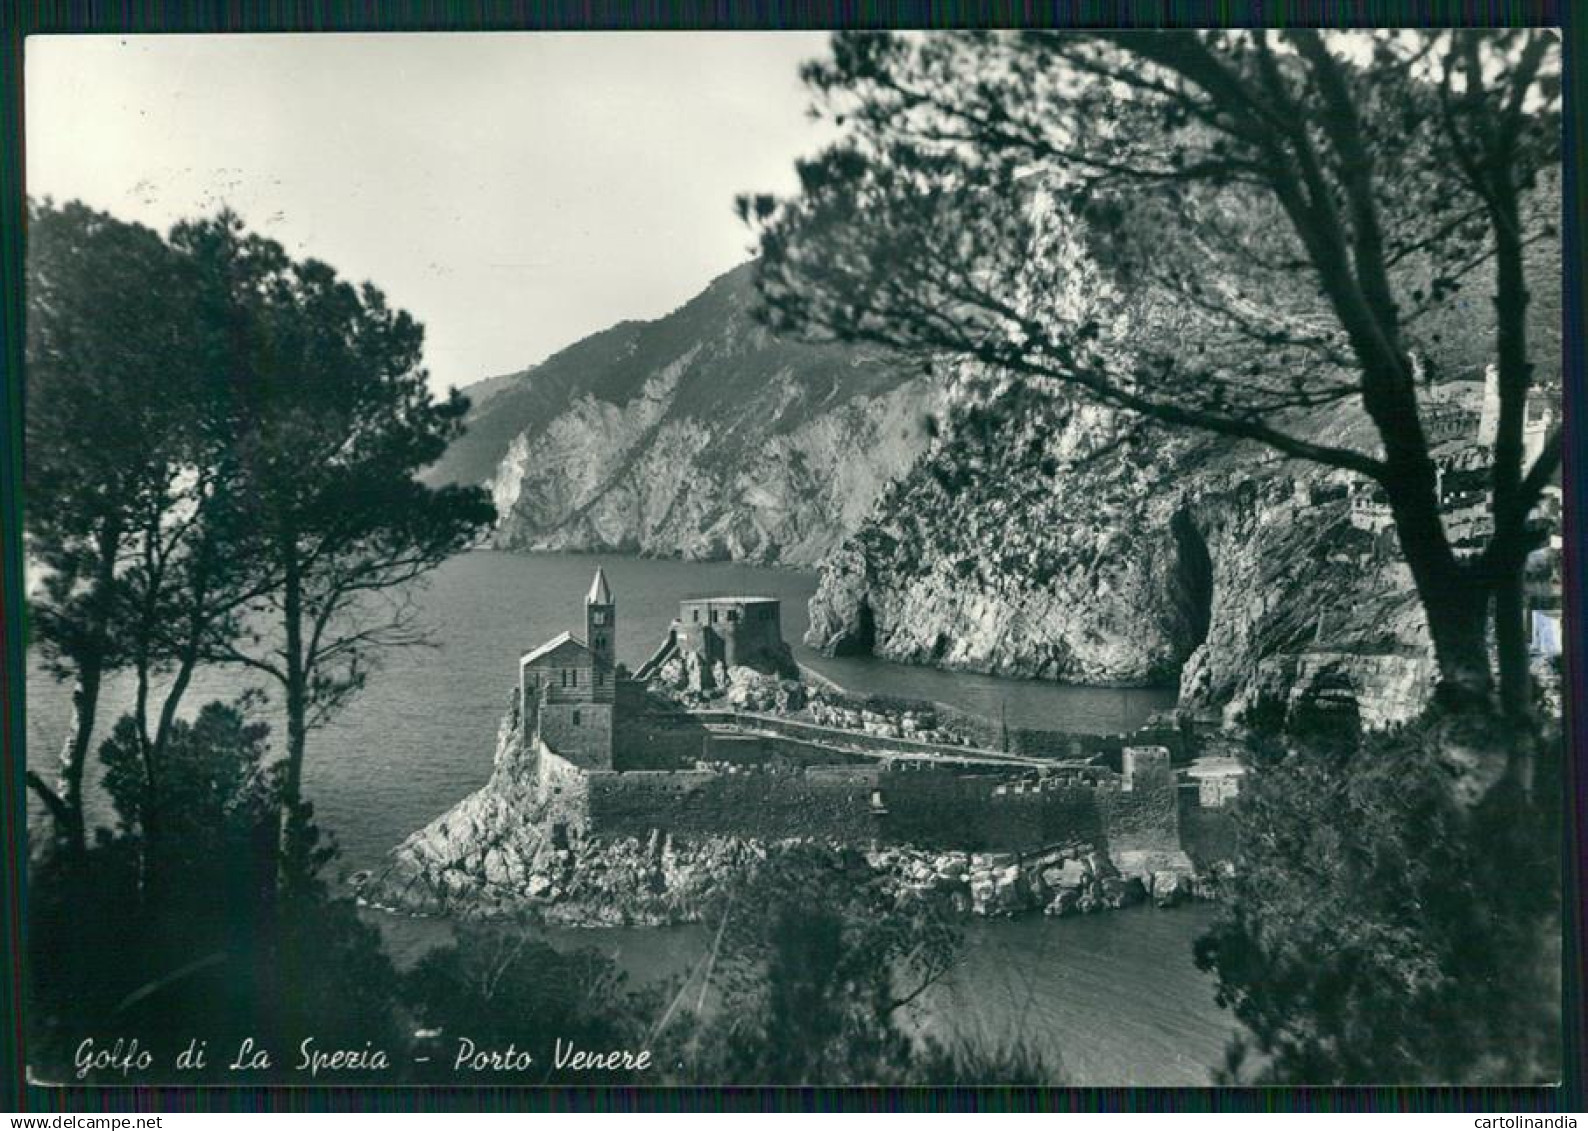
[(1100, 864), (949, 865), (750, 690), (790, 696), (1170, 888), (1010, 892), (1067, 874), (496, 870), (1066, 902), (1118, 892), (672, 674)]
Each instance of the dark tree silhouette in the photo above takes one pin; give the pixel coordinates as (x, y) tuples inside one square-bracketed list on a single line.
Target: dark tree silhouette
[(131, 480), (1228, 231), (1376, 932), (335, 421)]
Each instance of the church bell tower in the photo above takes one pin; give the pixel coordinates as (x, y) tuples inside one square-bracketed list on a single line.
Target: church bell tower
[(600, 622)]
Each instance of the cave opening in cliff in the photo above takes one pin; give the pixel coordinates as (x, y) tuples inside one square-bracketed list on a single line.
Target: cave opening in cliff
[(863, 641), (1192, 581)]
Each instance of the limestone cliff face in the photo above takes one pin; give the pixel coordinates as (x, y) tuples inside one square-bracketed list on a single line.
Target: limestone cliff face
[(1042, 540), (698, 435)]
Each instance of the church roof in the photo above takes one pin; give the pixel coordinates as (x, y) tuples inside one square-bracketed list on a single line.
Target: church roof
[(551, 646), (599, 593)]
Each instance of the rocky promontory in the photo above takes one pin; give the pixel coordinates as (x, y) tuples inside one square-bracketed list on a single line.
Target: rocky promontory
[(499, 852)]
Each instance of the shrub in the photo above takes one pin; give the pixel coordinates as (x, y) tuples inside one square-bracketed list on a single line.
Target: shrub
[(1377, 932)]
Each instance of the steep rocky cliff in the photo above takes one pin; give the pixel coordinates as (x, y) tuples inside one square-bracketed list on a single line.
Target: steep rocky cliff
[(968, 523), (1043, 540), (697, 435)]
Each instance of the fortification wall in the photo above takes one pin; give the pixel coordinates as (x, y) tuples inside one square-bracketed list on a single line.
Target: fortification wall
[(1143, 814), (781, 786), (653, 735), (980, 814), (564, 791), (862, 804), (830, 803), (1206, 834)]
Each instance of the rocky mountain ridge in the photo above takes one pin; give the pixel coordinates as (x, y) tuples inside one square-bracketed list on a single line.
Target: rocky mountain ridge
[(969, 523), (698, 435)]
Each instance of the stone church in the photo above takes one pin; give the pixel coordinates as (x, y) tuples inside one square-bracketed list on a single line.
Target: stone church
[(569, 688)]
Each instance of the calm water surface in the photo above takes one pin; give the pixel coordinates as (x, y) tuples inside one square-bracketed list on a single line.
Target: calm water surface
[(1113, 999), (1116, 993)]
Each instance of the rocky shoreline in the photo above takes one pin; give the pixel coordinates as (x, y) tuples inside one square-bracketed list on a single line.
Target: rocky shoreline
[(660, 883), (508, 850), (497, 853)]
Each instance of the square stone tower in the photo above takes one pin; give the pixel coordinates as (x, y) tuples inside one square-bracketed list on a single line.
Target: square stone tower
[(601, 621)]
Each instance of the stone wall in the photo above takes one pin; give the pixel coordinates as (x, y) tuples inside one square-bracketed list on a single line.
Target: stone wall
[(563, 790), (1144, 813), (832, 803), (776, 785), (977, 813), (580, 732), (776, 750), (927, 807), (650, 734)]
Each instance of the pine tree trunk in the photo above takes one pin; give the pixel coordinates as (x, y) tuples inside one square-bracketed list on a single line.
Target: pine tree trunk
[(1510, 638), (297, 694), (1516, 680), (85, 695), (1510, 519), (1453, 600), (74, 754)]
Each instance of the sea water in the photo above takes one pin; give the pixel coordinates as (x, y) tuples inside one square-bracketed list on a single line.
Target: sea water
[(1117, 994)]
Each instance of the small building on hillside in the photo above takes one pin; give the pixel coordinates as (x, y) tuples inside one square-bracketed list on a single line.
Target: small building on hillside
[(1447, 422), (1370, 508)]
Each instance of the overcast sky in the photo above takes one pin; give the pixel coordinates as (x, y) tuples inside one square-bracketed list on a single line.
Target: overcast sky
[(515, 192)]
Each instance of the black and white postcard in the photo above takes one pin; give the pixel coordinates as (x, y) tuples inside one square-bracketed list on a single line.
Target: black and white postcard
[(795, 558)]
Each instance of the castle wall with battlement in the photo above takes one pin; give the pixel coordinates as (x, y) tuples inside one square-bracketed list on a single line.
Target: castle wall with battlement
[(768, 805), (869, 803)]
